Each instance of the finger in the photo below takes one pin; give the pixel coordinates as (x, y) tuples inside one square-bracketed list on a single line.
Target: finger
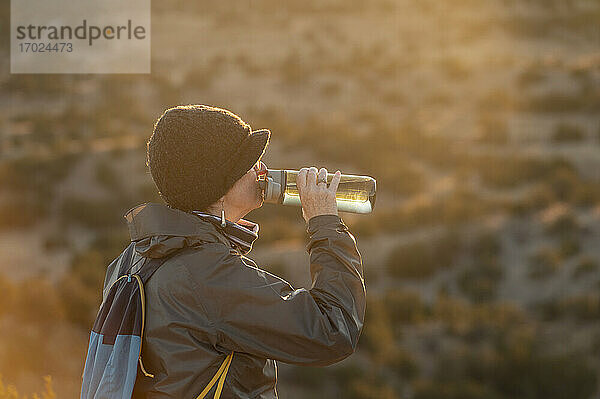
[(311, 177), (322, 176), (335, 181), (301, 179)]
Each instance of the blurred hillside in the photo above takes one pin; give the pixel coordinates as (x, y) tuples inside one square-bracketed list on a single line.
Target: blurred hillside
[(479, 120)]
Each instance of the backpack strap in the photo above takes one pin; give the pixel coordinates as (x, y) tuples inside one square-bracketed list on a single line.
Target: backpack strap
[(142, 276), (126, 260)]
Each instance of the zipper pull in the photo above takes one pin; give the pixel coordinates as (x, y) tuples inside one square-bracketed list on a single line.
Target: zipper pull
[(129, 278)]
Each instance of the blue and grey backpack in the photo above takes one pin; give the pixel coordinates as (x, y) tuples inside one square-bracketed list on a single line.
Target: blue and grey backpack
[(115, 347)]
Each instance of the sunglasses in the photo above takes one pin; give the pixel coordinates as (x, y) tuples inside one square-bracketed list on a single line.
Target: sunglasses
[(260, 168)]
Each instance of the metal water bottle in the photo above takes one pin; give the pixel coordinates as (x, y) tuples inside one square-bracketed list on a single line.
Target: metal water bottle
[(355, 194)]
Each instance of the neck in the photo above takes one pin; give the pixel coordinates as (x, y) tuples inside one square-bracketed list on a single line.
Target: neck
[(230, 215)]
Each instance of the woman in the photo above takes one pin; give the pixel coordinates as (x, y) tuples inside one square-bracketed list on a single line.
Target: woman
[(211, 313)]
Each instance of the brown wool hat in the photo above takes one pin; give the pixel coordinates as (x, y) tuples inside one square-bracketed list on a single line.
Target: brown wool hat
[(197, 152)]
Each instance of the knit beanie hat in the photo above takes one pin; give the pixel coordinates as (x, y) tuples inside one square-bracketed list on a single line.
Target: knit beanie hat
[(197, 152)]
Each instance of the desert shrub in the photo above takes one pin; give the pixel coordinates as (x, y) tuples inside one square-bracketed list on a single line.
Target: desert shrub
[(331, 89), (563, 225), (512, 171), (292, 68), (539, 197), (110, 242), (475, 321), (516, 365), (565, 132), (95, 214), (566, 185), (569, 246), (421, 259), (486, 246), (38, 301), (408, 307), (309, 376), (393, 97), (9, 291), (585, 266), (544, 263), (81, 287), (463, 205), (203, 76), (480, 281), (80, 301), (496, 100), (556, 102), (402, 363), (36, 84), (370, 389), (11, 392), (454, 68), (53, 242), (21, 210), (584, 307), (535, 374), (377, 337), (532, 75), (107, 176), (37, 176), (493, 130), (453, 390)]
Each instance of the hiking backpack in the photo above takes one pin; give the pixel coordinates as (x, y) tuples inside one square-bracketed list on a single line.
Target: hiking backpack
[(115, 346)]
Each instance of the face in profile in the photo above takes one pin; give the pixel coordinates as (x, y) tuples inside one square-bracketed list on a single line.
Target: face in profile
[(246, 193)]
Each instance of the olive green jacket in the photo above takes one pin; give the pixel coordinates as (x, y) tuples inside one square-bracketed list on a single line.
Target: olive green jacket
[(208, 300)]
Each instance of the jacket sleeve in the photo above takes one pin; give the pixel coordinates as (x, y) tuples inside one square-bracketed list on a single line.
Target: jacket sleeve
[(263, 315)]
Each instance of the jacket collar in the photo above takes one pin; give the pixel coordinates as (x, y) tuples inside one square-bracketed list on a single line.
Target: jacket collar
[(159, 230)]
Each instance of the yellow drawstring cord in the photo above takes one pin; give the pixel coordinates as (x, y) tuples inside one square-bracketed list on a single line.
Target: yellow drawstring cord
[(221, 374), (143, 299)]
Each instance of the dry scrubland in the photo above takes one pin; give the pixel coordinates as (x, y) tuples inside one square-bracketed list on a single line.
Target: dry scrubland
[(480, 121)]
